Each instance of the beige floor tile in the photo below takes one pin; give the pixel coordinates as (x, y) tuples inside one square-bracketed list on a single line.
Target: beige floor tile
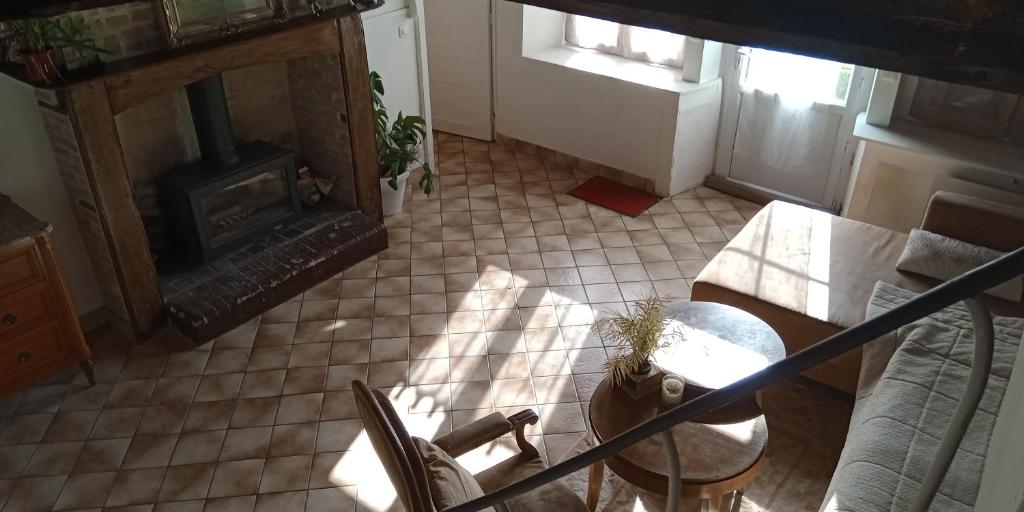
[(101, 455), (53, 459), (196, 447), (357, 351), (555, 389), (306, 380), (293, 439), (471, 395), (278, 502), (286, 473), (85, 490), (561, 418), (255, 412), (163, 419), (385, 375), (262, 383), (189, 482), (136, 487), (428, 346), (205, 416), (389, 349), (246, 443), (427, 303), (513, 392), (509, 366), (340, 377), (428, 371), (299, 408)]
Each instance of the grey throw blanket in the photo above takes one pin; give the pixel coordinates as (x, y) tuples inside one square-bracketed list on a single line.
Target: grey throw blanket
[(896, 430)]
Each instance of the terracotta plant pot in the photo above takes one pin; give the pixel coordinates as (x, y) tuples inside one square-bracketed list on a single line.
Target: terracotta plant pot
[(41, 66)]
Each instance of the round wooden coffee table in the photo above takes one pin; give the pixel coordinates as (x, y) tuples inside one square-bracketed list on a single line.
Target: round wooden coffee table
[(720, 452)]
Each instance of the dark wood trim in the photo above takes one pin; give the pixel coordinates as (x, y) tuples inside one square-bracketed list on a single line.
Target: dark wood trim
[(976, 43), (359, 109), (17, 9), (93, 119), (137, 85)]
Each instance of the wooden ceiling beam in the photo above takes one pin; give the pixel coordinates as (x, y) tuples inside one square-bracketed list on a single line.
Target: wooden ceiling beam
[(972, 42)]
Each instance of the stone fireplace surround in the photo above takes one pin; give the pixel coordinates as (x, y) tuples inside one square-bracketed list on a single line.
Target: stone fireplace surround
[(303, 86)]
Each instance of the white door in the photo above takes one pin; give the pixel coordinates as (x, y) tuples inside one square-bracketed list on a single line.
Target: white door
[(786, 124), (459, 54)]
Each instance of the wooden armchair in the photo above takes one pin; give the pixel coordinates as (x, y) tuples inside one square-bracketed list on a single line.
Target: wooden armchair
[(428, 479)]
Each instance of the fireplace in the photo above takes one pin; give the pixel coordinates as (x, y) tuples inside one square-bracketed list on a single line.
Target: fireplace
[(233, 194), (121, 139)]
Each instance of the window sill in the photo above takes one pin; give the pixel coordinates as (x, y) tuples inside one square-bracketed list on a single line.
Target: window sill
[(613, 66), (999, 157)]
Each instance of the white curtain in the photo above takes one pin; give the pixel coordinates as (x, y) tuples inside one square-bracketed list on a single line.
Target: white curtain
[(635, 43), (783, 145), (968, 110)]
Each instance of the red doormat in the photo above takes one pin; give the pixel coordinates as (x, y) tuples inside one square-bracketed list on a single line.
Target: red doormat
[(614, 196)]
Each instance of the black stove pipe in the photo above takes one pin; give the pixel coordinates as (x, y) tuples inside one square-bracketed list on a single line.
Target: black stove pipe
[(212, 121)]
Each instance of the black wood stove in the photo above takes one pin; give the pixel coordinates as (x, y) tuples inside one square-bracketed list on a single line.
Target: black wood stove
[(234, 194)]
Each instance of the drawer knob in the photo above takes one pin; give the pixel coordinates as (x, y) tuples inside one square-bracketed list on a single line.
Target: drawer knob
[(9, 319), (24, 357)]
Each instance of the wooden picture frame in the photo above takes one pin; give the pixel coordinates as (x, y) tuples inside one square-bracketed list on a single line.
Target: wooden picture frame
[(185, 22)]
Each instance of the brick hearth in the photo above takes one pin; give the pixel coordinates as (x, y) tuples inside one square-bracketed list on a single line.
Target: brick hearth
[(208, 301)]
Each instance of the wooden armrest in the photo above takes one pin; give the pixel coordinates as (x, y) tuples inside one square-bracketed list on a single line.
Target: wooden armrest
[(487, 429)]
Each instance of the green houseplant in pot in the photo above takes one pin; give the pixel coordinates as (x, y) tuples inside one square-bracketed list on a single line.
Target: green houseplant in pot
[(34, 37), (40, 40), (398, 150), (636, 335)]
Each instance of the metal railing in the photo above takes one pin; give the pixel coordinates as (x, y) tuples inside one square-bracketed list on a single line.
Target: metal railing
[(959, 289)]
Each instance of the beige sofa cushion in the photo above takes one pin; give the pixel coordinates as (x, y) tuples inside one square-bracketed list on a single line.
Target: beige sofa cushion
[(809, 262)]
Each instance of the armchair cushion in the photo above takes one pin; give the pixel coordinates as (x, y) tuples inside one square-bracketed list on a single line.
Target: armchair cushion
[(450, 484)]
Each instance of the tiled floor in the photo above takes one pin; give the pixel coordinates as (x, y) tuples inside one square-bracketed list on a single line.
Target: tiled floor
[(483, 302)]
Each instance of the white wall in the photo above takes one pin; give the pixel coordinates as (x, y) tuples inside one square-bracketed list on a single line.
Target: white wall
[(547, 99), (693, 157), (28, 173), (391, 50)]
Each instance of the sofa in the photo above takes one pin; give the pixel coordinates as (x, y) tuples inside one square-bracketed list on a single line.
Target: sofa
[(810, 274)]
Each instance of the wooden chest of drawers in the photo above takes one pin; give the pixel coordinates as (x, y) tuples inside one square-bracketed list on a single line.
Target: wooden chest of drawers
[(39, 332)]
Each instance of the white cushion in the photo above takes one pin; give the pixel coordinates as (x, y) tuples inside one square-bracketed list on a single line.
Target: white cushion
[(942, 257)]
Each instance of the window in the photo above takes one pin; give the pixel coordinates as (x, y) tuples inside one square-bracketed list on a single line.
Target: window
[(635, 43), (795, 77), (961, 108)]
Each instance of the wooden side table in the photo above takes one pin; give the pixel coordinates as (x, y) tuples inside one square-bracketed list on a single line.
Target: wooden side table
[(39, 332), (720, 452)]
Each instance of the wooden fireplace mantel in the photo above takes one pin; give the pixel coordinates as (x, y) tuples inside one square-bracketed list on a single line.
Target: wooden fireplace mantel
[(80, 117)]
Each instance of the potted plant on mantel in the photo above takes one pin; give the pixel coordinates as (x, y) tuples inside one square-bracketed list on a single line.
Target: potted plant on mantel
[(637, 335), (39, 41), (398, 149)]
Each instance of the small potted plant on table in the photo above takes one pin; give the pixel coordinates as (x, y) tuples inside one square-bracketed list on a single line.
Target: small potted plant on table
[(637, 335), (398, 149)]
